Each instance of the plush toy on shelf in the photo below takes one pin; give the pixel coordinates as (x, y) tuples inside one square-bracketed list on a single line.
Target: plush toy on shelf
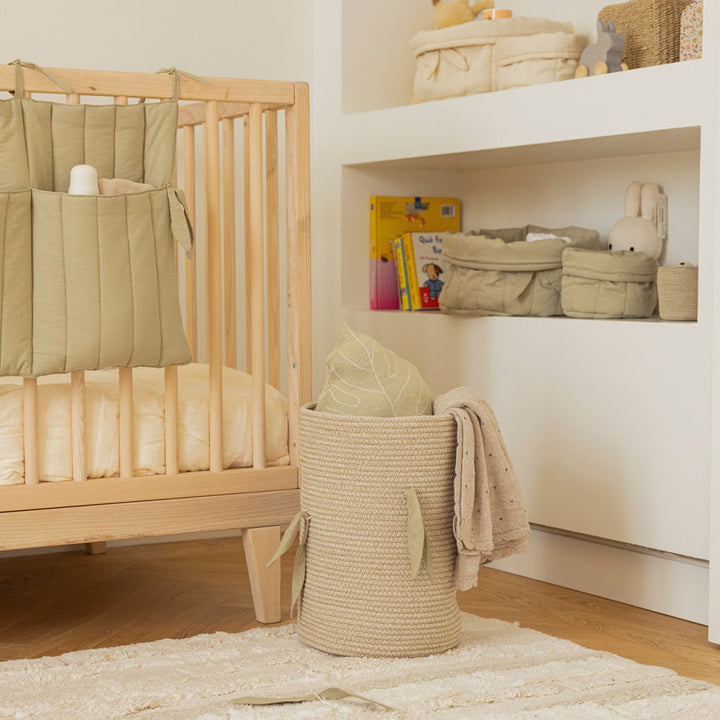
[(456, 12), (605, 55), (639, 230)]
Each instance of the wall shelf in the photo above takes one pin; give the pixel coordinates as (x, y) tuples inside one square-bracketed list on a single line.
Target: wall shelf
[(644, 111), (362, 314)]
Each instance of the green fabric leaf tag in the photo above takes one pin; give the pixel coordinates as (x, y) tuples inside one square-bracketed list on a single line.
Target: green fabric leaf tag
[(418, 545), (288, 538), (331, 693), (416, 532)]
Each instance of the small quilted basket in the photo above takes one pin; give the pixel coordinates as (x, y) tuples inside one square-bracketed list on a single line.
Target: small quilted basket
[(691, 31), (678, 292), (374, 573)]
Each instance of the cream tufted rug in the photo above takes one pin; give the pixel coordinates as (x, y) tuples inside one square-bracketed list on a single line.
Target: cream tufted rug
[(499, 672)]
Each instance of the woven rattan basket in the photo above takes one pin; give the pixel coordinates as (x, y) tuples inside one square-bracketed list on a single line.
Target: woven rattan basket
[(651, 29), (359, 596), (678, 292)]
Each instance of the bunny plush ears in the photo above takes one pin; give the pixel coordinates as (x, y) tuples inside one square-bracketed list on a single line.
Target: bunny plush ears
[(606, 27), (641, 200), (638, 231)]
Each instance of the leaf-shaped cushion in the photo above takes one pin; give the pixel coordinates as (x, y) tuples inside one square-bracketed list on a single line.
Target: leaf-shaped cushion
[(365, 378)]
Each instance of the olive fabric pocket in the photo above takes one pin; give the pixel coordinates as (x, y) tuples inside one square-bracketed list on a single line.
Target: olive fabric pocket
[(100, 287), (16, 283)]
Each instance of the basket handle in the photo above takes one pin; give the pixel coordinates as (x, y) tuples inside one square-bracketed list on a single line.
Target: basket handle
[(418, 545), (299, 525)]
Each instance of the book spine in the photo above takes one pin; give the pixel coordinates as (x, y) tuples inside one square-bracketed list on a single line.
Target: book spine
[(413, 288), (374, 295), (401, 273)]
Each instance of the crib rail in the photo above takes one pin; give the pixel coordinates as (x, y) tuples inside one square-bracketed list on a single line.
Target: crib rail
[(106, 83), (214, 112)]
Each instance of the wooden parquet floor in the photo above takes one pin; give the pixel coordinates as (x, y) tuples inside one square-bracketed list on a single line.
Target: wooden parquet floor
[(50, 604)]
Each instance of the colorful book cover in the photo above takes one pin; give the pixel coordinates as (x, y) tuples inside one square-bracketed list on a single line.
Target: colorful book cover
[(403, 289), (392, 216), (425, 269)]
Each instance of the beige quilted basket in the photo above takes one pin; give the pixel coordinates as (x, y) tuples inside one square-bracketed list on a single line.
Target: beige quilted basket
[(376, 535)]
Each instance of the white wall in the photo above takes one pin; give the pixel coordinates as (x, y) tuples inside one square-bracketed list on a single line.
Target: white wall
[(214, 37)]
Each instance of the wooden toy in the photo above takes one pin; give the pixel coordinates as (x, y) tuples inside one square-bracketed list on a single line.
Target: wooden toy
[(605, 55)]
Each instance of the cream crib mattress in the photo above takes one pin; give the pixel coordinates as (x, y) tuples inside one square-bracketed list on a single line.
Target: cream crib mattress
[(102, 427)]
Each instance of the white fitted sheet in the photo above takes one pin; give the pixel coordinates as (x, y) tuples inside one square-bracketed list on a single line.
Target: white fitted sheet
[(102, 426)]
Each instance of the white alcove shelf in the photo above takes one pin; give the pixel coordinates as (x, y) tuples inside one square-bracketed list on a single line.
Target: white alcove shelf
[(608, 422)]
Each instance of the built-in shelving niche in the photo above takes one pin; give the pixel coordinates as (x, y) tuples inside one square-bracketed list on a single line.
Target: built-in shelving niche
[(575, 183)]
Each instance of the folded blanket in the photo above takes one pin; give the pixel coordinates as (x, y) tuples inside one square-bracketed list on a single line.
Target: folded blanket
[(117, 186), (490, 518)]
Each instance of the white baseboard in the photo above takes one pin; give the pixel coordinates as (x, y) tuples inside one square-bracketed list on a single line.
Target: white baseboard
[(664, 583)]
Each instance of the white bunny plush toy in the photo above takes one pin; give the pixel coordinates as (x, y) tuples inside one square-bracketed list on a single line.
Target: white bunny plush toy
[(638, 231)]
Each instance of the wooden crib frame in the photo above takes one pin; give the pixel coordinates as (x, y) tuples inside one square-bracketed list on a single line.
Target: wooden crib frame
[(258, 500)]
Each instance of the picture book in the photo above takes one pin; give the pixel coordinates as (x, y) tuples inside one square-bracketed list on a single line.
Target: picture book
[(425, 269), (391, 217), (402, 279)]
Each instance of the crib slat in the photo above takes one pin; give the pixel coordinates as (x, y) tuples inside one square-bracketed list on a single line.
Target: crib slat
[(77, 402), (125, 382), (246, 240), (272, 205), (257, 263), (171, 420), (299, 321), (214, 286), (190, 264), (30, 431), (174, 184), (228, 185), (125, 388)]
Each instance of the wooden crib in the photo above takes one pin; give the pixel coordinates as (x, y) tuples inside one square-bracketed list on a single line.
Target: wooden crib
[(237, 118)]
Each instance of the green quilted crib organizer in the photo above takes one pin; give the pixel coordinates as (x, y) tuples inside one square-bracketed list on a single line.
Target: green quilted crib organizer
[(88, 282)]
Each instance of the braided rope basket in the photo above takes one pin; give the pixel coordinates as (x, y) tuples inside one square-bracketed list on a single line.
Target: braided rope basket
[(359, 595), (651, 29), (678, 292)]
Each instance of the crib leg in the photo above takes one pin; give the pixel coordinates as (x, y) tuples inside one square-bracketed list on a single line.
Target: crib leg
[(260, 545), (95, 548)]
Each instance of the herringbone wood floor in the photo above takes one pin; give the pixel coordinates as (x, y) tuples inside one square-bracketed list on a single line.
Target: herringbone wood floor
[(50, 604)]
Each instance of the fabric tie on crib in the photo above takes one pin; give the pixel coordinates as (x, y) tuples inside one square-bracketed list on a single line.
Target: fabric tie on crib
[(20, 83), (176, 73)]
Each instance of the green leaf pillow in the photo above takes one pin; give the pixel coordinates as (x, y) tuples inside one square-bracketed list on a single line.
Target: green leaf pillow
[(365, 378)]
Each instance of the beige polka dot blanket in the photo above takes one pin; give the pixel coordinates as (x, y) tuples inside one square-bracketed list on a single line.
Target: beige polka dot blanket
[(490, 520)]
